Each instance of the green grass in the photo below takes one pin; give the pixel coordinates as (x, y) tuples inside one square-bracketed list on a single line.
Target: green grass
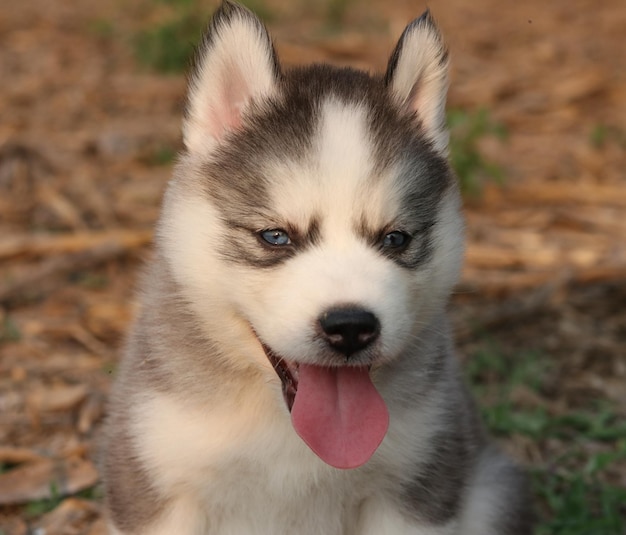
[(335, 14), (162, 155), (581, 502), (95, 493), (167, 47), (101, 28), (574, 492), (9, 331), (260, 9), (90, 280), (37, 508), (599, 135), (41, 507), (602, 134), (467, 128), (496, 377)]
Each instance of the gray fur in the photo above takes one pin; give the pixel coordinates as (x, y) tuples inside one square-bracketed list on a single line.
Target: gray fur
[(131, 478), (174, 352), (437, 489), (282, 129)]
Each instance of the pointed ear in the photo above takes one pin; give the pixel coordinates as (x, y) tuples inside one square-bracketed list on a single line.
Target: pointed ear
[(235, 65), (417, 75)]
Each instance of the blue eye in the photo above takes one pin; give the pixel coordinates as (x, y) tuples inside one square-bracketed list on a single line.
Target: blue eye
[(275, 236), (395, 240)]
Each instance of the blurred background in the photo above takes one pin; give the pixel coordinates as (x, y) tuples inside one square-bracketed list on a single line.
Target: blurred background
[(91, 96)]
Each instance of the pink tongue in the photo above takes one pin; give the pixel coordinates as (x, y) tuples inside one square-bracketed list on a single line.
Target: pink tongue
[(339, 414)]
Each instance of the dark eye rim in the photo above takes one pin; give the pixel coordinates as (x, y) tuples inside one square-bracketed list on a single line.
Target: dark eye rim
[(266, 243), (395, 248)]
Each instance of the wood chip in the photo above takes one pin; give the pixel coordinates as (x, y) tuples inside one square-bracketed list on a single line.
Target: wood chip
[(45, 479), (45, 276), (580, 86), (49, 244), (56, 398), (91, 412), (556, 193), (99, 527), (71, 517), (11, 455), (13, 526)]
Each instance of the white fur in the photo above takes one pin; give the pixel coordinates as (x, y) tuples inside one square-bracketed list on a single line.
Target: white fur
[(255, 444), (381, 518), (190, 233), (420, 81), (180, 516), (234, 72), (331, 181), (233, 464), (342, 270), (490, 494), (255, 441)]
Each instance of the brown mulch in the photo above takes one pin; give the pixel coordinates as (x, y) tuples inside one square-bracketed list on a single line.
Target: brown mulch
[(80, 188)]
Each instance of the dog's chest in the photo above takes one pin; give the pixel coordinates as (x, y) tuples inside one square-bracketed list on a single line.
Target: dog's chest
[(241, 477), (253, 509), (274, 495), (259, 508)]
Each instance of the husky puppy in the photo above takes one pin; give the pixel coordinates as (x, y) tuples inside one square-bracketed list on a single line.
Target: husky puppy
[(291, 369)]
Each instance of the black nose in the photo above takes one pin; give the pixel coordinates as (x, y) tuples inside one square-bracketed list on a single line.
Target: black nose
[(349, 330)]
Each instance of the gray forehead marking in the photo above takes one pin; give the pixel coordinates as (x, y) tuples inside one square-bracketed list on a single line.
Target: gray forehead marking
[(282, 129)]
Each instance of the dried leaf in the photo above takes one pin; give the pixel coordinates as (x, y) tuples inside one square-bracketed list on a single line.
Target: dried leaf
[(46, 478), (56, 398), (10, 455), (72, 516)]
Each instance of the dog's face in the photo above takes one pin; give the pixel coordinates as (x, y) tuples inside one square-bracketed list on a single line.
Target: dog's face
[(313, 220)]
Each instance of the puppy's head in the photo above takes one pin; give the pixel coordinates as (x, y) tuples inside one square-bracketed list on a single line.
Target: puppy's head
[(313, 222)]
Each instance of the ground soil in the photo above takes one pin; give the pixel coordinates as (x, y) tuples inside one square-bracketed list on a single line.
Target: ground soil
[(81, 132)]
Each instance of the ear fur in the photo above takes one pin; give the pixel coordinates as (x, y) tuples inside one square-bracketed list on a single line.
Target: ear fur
[(417, 75), (235, 65)]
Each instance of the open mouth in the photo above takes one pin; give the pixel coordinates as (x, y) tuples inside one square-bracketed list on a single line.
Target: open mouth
[(287, 373), (336, 411)]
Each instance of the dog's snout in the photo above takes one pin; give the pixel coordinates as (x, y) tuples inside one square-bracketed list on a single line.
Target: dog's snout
[(349, 330)]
